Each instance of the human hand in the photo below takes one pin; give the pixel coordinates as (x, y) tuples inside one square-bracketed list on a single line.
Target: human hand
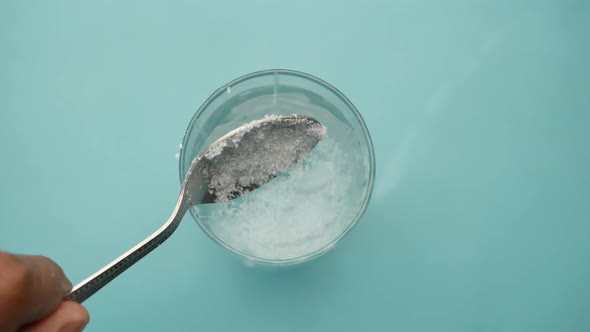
[(32, 291)]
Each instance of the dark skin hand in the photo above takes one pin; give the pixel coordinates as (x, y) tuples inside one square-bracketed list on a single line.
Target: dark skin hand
[(32, 291)]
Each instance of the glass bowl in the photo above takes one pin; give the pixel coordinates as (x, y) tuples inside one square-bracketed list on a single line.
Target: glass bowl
[(305, 213)]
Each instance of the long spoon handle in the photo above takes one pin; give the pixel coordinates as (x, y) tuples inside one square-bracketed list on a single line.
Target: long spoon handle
[(98, 280)]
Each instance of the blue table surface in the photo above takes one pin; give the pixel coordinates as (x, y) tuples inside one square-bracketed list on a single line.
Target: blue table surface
[(479, 112)]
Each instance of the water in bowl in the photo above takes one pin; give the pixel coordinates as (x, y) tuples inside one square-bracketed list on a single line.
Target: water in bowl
[(294, 215)]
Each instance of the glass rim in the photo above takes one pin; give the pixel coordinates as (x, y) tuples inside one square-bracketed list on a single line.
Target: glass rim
[(369, 190)]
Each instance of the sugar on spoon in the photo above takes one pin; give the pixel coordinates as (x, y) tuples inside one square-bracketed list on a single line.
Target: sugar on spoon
[(235, 164)]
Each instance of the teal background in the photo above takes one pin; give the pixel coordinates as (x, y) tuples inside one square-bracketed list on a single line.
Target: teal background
[(479, 112)]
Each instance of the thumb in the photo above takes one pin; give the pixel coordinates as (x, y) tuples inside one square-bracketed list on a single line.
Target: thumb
[(68, 317)]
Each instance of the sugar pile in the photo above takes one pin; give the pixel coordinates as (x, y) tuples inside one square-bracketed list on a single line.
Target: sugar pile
[(296, 214), (257, 152)]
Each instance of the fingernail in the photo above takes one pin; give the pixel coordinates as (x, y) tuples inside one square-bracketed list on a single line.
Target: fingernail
[(76, 326), (66, 286)]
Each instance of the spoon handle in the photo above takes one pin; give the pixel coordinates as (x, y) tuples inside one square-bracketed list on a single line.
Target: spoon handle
[(98, 280)]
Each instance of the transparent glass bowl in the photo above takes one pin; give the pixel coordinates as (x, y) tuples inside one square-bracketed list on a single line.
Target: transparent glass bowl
[(255, 95)]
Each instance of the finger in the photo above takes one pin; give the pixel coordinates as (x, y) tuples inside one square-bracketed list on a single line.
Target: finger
[(30, 287), (69, 317)]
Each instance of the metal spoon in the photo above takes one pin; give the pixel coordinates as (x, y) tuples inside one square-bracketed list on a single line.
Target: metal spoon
[(237, 163)]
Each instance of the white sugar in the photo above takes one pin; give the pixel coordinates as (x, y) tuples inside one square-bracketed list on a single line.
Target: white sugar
[(215, 150), (257, 152)]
